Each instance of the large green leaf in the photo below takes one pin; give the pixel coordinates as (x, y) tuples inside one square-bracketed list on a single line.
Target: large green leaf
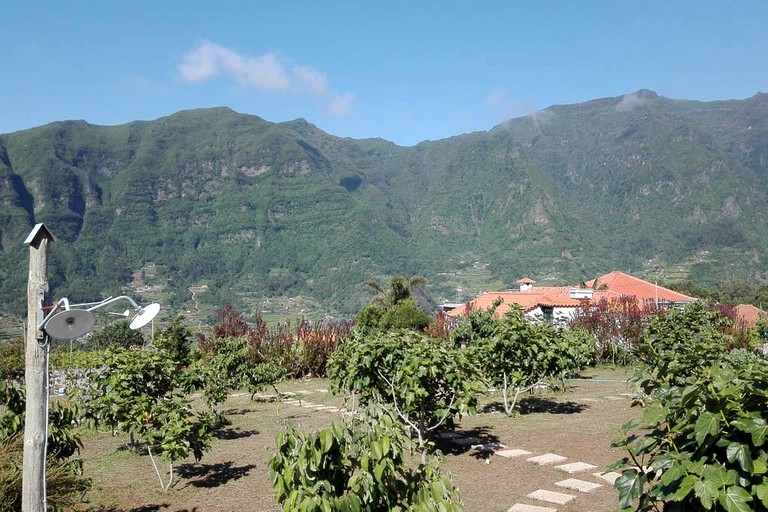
[(741, 453), (708, 424), (630, 486), (735, 499)]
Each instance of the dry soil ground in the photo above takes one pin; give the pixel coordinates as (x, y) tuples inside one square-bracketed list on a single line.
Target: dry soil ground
[(578, 424)]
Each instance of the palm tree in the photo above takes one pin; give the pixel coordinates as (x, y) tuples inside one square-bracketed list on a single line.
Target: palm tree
[(400, 289)]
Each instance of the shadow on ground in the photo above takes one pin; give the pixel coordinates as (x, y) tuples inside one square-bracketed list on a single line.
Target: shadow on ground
[(213, 475), (229, 434), (237, 412), (534, 404), (478, 442), (145, 508)]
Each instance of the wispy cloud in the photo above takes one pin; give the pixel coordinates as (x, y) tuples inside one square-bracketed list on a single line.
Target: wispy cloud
[(208, 60), (506, 107), (340, 105), (267, 72), (311, 81), (496, 97), (630, 102)]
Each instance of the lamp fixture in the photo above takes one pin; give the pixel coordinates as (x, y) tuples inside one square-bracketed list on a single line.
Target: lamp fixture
[(76, 320)]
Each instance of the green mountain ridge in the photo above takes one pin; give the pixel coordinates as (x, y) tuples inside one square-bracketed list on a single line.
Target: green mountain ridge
[(256, 210)]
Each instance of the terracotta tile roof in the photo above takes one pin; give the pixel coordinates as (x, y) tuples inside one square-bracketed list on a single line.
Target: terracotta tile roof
[(610, 286), (619, 283), (749, 314), (553, 296)]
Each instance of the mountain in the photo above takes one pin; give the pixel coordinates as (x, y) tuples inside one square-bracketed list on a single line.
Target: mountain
[(246, 211)]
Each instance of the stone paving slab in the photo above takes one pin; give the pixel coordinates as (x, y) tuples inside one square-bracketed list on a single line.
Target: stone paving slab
[(608, 477), (509, 454), (578, 485), (521, 507), (575, 467), (547, 458), (551, 496)]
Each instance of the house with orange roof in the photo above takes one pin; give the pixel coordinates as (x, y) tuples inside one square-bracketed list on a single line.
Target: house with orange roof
[(749, 315), (560, 304), (619, 284)]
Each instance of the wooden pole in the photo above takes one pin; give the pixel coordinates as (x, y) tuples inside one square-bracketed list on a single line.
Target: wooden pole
[(33, 497)]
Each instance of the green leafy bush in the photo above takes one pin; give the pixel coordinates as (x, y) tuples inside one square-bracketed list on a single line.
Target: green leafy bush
[(134, 392), (702, 441), (426, 381), (515, 354), (64, 481), (12, 359), (118, 334), (359, 463), (705, 446)]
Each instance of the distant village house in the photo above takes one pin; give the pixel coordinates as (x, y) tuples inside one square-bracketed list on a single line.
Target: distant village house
[(561, 303)]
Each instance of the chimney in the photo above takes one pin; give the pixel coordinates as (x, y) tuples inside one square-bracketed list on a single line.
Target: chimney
[(525, 283)]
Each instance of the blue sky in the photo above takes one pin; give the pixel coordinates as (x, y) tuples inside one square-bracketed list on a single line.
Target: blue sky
[(404, 71)]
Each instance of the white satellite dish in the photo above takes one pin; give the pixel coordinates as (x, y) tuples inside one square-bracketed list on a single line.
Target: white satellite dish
[(70, 324), (144, 316)]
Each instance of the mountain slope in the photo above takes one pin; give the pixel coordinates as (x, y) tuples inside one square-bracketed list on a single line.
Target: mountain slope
[(254, 209)]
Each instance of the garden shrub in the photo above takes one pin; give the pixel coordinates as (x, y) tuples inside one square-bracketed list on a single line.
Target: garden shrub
[(358, 463), (12, 359), (702, 441), (426, 381), (65, 485)]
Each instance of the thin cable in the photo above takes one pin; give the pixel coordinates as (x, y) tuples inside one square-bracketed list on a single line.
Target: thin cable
[(47, 404)]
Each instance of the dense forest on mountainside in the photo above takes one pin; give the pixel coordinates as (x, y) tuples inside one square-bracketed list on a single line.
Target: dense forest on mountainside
[(244, 210)]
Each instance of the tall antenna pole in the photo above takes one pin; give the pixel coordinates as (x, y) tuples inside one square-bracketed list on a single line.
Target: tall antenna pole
[(35, 373)]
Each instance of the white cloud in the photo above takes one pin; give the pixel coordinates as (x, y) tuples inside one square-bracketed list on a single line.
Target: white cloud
[(630, 102), (340, 105), (208, 60), (266, 72), (311, 81)]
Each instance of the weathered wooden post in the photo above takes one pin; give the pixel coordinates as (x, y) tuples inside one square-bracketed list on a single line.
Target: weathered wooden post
[(33, 497)]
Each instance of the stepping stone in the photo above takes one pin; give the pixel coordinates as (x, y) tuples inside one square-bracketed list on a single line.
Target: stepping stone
[(608, 477), (510, 454), (304, 392), (520, 507), (288, 393), (547, 458), (321, 390), (578, 485), (551, 496), (575, 467)]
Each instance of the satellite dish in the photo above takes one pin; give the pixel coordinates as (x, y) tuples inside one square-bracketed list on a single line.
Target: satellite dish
[(144, 316), (70, 324)]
